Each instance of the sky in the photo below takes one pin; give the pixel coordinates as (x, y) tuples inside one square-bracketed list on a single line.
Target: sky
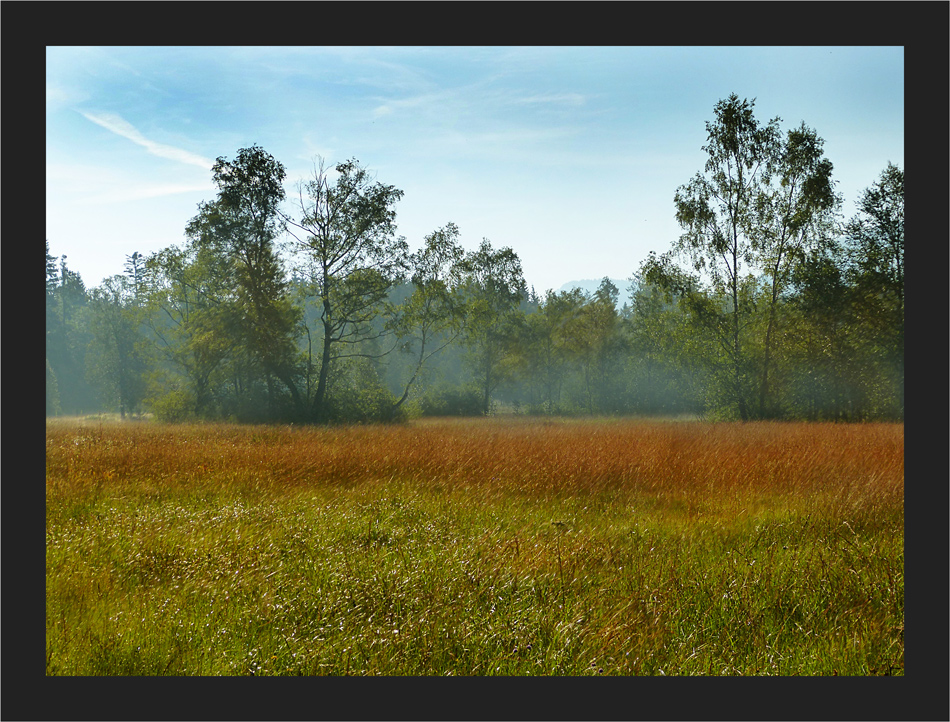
[(570, 156)]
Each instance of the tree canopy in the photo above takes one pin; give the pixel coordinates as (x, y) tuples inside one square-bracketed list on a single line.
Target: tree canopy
[(311, 308)]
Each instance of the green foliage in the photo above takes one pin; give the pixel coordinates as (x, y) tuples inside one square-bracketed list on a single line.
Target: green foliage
[(760, 229), (779, 312), (117, 357), (452, 401), (350, 263), (874, 242), (193, 319), (52, 274), (52, 392), (358, 396), (433, 315), (245, 221), (68, 336), (172, 403), (717, 213), (492, 289), (543, 350), (793, 216)]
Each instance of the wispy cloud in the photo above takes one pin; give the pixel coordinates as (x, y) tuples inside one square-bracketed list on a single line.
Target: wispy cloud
[(120, 126), (149, 191), (574, 99), (96, 185), (479, 101), (422, 103), (58, 97)]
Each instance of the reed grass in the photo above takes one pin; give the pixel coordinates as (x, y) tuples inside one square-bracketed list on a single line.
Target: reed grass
[(475, 547)]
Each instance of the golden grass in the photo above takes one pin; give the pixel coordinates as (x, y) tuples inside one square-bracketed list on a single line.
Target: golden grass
[(685, 463), (481, 546)]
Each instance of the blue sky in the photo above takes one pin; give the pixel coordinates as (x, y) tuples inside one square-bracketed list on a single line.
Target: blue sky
[(570, 156)]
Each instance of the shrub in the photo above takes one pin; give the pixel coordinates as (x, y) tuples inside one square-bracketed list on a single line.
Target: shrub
[(452, 401), (173, 406), (361, 397)]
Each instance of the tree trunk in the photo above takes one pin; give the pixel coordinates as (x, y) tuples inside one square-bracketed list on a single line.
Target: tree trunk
[(486, 403), (319, 399), (736, 356), (764, 390), (415, 374), (287, 380)]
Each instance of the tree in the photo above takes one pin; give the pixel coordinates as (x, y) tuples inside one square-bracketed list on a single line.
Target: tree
[(717, 211), (431, 317), (791, 217), (135, 271), (67, 337), (595, 342), (545, 346), (680, 328), (52, 274), (830, 369), (351, 260), (53, 407), (117, 353), (193, 318), (875, 245), (492, 287), (244, 222), (52, 282)]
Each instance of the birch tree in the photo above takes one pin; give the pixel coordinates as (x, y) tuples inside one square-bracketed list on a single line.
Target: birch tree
[(717, 209)]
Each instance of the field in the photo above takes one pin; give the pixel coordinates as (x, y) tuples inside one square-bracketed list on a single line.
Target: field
[(500, 546)]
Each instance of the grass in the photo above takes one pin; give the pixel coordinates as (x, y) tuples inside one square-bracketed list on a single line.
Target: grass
[(475, 547)]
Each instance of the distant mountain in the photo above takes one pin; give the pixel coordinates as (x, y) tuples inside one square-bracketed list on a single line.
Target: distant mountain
[(591, 285)]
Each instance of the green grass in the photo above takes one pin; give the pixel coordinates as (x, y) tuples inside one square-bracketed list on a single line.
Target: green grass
[(235, 551)]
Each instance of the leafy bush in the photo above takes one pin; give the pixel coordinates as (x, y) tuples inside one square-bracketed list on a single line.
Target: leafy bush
[(173, 406), (361, 397), (452, 401)]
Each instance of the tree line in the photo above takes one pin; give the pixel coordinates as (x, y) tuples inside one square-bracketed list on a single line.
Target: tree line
[(311, 309)]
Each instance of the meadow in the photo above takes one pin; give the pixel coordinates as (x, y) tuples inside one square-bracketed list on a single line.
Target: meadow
[(492, 546)]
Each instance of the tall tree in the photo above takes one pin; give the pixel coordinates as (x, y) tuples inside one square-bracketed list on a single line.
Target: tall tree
[(135, 271), (67, 337), (717, 212), (431, 317), (53, 406), (830, 366), (792, 215), (350, 260), (493, 286), (245, 221), (595, 340), (194, 319), (52, 273), (545, 346), (117, 353), (875, 241), (680, 327)]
